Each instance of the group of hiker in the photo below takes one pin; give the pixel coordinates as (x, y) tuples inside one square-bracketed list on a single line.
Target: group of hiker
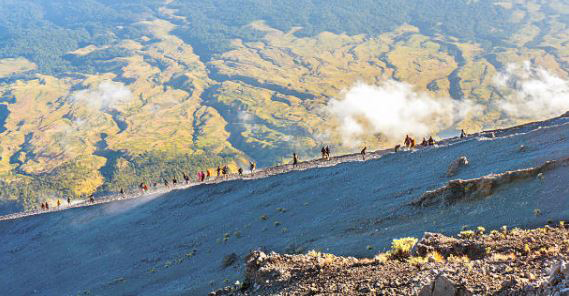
[(201, 176), (45, 205), (224, 171), (410, 142)]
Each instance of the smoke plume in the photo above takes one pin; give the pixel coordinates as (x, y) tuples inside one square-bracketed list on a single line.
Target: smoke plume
[(106, 95), (531, 93), (393, 110)]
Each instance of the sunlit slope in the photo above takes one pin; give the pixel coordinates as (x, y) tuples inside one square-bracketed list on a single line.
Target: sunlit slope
[(175, 244)]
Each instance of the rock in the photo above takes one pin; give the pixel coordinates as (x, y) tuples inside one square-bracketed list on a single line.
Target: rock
[(442, 286), (523, 148), (447, 246), (456, 165), (229, 260)]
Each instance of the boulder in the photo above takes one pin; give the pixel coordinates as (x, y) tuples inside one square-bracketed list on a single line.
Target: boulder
[(456, 165), (447, 246), (442, 286)]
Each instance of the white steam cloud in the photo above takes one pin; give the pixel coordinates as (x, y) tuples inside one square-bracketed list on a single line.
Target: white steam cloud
[(531, 92), (106, 95), (393, 110)]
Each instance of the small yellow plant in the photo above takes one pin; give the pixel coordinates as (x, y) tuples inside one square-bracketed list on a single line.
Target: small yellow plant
[(467, 234), (494, 232), (313, 253), (503, 257), (481, 230), (417, 261), (504, 229), (382, 257), (458, 259), (436, 256), (327, 259), (527, 250), (401, 248)]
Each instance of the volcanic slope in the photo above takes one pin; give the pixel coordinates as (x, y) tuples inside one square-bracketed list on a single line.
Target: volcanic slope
[(192, 241)]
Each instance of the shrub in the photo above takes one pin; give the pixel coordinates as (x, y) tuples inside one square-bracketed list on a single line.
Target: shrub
[(436, 256), (401, 248), (503, 257), (417, 261), (458, 259), (382, 257), (327, 259), (467, 234), (481, 230)]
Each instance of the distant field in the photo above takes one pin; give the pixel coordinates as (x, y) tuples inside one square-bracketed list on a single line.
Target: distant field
[(11, 66)]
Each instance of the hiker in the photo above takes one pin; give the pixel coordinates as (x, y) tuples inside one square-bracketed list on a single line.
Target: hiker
[(58, 203), (407, 141), (68, 201), (42, 206), (46, 205), (186, 178), (91, 198), (424, 143), (463, 134), (431, 141), (240, 171), (122, 191), (141, 186), (166, 183), (396, 149), (327, 152), (252, 166), (174, 181), (218, 171), (208, 174), (225, 170), (363, 153), (145, 188), (294, 159), (411, 143), (154, 185)]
